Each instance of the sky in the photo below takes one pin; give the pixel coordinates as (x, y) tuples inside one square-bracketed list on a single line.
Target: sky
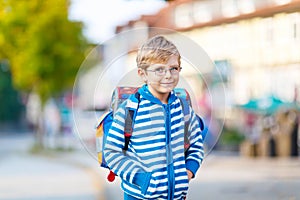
[(100, 17)]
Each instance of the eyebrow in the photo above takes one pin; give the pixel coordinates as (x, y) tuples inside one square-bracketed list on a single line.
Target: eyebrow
[(156, 66)]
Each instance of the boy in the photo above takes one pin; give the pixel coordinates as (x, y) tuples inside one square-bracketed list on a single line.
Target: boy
[(155, 166)]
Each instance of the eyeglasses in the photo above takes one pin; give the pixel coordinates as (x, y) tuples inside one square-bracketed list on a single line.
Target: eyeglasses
[(161, 70)]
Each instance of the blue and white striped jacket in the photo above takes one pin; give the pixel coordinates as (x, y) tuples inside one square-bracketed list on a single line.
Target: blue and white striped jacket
[(154, 166)]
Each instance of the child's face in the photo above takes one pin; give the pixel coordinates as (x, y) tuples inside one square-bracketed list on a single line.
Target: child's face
[(162, 78)]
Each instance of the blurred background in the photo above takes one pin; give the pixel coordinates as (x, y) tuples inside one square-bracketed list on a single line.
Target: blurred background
[(60, 61)]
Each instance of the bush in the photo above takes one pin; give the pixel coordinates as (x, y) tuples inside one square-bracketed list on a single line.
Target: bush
[(231, 137)]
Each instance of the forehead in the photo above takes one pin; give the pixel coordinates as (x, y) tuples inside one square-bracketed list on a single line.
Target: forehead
[(172, 60)]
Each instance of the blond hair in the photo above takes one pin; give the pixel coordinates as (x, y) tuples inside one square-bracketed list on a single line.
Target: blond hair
[(156, 50)]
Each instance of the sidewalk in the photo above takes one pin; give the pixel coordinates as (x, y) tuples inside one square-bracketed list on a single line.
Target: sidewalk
[(76, 175), (27, 176), (230, 178), (105, 190)]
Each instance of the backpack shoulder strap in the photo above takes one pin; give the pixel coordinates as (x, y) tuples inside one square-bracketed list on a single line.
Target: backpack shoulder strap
[(185, 107), (130, 112), (186, 112)]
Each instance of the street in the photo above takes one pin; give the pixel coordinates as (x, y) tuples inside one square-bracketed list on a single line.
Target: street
[(30, 176), (76, 175), (224, 177)]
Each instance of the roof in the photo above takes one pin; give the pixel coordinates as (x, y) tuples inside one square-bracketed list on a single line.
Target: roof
[(164, 18)]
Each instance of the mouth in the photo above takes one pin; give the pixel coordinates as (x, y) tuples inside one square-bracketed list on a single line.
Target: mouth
[(167, 84)]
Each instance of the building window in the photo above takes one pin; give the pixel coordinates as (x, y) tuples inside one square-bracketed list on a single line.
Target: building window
[(246, 6), (202, 12), (269, 31), (184, 15), (230, 8), (282, 2), (295, 19)]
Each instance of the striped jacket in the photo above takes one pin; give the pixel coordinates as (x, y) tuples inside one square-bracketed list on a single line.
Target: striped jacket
[(154, 166)]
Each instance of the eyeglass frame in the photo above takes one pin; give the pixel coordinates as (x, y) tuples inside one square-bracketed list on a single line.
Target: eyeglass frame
[(164, 72)]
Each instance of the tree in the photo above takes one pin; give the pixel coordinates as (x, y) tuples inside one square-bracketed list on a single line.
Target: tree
[(11, 105), (44, 48)]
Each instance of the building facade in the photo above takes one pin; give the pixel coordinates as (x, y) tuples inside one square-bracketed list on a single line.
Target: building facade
[(259, 40)]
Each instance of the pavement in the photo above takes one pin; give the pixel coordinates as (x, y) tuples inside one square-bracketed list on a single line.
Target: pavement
[(236, 177), (76, 175), (46, 176)]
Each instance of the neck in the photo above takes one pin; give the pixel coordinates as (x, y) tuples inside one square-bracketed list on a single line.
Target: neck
[(163, 97)]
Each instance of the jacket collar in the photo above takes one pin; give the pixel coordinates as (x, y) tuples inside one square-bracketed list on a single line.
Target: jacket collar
[(144, 91)]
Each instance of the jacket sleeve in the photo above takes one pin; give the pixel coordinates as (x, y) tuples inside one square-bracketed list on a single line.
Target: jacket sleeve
[(195, 153), (125, 164)]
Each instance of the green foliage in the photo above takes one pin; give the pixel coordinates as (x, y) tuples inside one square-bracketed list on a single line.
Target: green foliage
[(231, 137), (44, 47), (11, 105)]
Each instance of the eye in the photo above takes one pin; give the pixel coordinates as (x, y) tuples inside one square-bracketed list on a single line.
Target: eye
[(174, 69), (159, 70)]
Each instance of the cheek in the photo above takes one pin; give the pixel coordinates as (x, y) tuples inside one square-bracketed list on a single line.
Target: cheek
[(153, 78), (176, 80)]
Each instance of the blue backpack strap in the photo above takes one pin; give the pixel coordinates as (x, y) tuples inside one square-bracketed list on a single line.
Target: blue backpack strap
[(186, 112), (129, 116)]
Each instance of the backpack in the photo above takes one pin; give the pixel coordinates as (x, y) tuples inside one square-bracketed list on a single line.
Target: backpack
[(120, 94)]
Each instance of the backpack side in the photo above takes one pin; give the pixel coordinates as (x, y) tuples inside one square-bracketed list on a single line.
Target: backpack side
[(103, 126), (120, 95)]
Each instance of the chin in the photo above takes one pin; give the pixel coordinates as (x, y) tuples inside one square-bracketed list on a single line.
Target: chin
[(166, 90)]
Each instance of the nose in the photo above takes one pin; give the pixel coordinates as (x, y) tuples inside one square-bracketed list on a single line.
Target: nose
[(168, 73)]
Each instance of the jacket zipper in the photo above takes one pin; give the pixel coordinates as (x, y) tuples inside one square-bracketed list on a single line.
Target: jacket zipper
[(170, 169)]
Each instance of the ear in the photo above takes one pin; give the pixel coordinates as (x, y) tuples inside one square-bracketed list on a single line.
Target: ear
[(142, 74)]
